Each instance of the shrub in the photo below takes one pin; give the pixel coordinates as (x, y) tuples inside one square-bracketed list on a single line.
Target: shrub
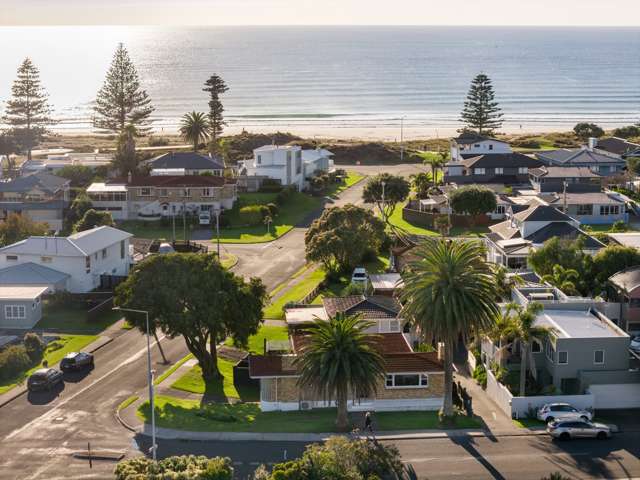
[(627, 132), (60, 299), (619, 226), (34, 346), (353, 289), (273, 209), (251, 215), (480, 375), (13, 361), (285, 195), (264, 211), (185, 467), (158, 141), (270, 185)]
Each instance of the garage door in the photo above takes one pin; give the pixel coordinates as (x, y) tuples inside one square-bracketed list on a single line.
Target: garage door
[(619, 395)]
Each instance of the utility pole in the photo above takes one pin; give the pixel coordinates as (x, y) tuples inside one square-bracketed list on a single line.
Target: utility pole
[(173, 222), (564, 194), (402, 139), (184, 221), (383, 183), (217, 212)]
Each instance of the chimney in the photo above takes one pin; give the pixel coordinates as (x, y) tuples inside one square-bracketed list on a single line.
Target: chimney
[(593, 143), (441, 348), (129, 177)]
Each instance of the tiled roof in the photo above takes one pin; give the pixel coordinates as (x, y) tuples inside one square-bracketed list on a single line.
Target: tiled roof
[(564, 172), (186, 160), (565, 231), (45, 181), (542, 213), (599, 198), (271, 366), (176, 181), (615, 145), (412, 362), (385, 342), (372, 307), (504, 230), (577, 157)]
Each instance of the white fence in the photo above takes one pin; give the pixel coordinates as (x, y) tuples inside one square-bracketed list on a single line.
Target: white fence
[(499, 393), (471, 361), (620, 395)]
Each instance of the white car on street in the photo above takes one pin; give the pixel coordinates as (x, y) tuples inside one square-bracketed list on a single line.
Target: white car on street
[(556, 411)]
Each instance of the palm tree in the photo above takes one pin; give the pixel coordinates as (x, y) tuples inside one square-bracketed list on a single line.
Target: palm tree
[(194, 128), (340, 358), (519, 326), (505, 282), (449, 292), (563, 278), (436, 163)]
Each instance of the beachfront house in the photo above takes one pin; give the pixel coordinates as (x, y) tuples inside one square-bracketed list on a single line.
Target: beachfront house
[(470, 144), (185, 163), (491, 168), (41, 196), (75, 263), (617, 146), (626, 286), (602, 163)]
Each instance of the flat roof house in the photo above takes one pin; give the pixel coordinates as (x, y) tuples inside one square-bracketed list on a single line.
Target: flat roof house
[(627, 286), (85, 256), (470, 144), (278, 162)]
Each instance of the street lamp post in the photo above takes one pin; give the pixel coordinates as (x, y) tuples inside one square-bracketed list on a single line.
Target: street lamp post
[(384, 184), (217, 213), (150, 378), (402, 139)]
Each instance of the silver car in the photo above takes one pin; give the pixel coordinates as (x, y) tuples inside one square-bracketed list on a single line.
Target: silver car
[(568, 429), (554, 411)]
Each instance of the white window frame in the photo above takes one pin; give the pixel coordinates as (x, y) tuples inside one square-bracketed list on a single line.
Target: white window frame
[(479, 171), (423, 380), (142, 192), (539, 344), (594, 357), (523, 170), (558, 355), (499, 170), (20, 310)]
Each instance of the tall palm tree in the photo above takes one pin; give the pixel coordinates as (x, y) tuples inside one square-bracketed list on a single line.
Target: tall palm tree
[(436, 163), (340, 358), (563, 278), (194, 128), (449, 291), (505, 282)]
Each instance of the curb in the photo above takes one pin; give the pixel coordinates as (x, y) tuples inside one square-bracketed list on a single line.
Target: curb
[(21, 390), (122, 422)]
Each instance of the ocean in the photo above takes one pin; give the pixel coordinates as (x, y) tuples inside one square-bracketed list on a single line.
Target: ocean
[(343, 81)]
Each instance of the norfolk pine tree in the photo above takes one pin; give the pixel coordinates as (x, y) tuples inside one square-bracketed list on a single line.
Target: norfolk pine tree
[(121, 101), (481, 112), (215, 86), (28, 111)]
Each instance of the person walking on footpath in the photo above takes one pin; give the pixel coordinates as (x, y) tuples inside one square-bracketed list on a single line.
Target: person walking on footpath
[(368, 425)]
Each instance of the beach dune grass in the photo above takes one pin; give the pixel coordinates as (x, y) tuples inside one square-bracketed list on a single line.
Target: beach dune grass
[(191, 415)]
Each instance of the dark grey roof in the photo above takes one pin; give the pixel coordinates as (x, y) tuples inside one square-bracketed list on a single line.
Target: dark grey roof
[(598, 198), (565, 231), (186, 160), (628, 279), (20, 206), (580, 156), (617, 146), (45, 181), (470, 137), (542, 213), (493, 160), (31, 274), (564, 172)]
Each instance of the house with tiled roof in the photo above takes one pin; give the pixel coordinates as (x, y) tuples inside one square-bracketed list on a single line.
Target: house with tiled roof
[(602, 163), (617, 146), (185, 163), (510, 168), (156, 196)]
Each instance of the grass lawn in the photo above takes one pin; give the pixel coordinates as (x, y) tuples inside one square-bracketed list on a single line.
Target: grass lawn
[(397, 220), (294, 294), (53, 354), (172, 369), (73, 320), (220, 390), (337, 288), (350, 181), (256, 342), (528, 422), (188, 415), (604, 228)]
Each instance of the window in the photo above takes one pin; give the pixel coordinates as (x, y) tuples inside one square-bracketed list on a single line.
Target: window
[(259, 159), (163, 192), (14, 312), (185, 192), (490, 146), (523, 170), (46, 259), (87, 264), (609, 209), (586, 209), (478, 171), (289, 156), (499, 170), (12, 258), (407, 380), (477, 145), (563, 358), (207, 192), (550, 351), (122, 249), (500, 210), (298, 165), (598, 357), (104, 253), (536, 346), (145, 192)]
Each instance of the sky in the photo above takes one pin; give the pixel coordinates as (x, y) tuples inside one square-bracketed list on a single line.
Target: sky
[(321, 12)]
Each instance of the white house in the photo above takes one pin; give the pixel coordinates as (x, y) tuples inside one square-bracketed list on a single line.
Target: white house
[(318, 159), (279, 162), (471, 145), (84, 256)]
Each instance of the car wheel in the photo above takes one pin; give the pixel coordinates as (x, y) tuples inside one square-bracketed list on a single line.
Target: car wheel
[(565, 436), (601, 436)]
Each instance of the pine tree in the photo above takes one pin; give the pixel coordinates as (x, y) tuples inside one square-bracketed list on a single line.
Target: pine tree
[(121, 101), (28, 111), (215, 86), (125, 160), (481, 112)]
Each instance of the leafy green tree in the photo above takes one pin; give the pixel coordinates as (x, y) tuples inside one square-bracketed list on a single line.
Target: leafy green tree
[(194, 296), (611, 260), (8, 147), (472, 200), (194, 128), (126, 160), (442, 224), (421, 182), (341, 237), (185, 467), (121, 101), (28, 112), (555, 476), (79, 175), (633, 166), (449, 292), (17, 227), (215, 86), (80, 205), (566, 253), (505, 282), (563, 278), (385, 191), (436, 162), (630, 131), (338, 359), (481, 112), (584, 131), (93, 218)]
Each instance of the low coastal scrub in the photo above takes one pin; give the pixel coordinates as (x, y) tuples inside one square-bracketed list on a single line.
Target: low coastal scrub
[(187, 467)]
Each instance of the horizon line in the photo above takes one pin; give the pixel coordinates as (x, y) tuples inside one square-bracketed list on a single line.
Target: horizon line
[(315, 25)]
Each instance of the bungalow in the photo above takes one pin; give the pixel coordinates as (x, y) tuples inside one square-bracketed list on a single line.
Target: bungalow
[(503, 168), (85, 257), (594, 208), (20, 306), (509, 242), (616, 146), (561, 179), (41, 196), (412, 380), (626, 285), (606, 165), (185, 163), (153, 197)]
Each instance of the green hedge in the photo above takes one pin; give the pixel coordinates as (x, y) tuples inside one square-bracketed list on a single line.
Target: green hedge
[(13, 361), (251, 215)]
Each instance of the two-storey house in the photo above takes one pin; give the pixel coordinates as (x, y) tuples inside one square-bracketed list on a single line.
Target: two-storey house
[(602, 163), (41, 196), (185, 163), (470, 144), (277, 162), (502, 168)]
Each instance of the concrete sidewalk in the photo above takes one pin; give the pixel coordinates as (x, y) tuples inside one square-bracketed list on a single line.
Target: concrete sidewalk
[(21, 389)]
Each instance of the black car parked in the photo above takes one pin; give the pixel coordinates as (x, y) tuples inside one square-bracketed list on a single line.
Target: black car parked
[(44, 379), (76, 361)]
